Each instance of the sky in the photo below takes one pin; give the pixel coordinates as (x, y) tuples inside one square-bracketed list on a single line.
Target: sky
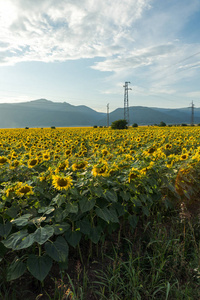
[(83, 51)]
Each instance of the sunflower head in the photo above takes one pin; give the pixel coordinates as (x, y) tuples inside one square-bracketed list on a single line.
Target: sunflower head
[(3, 160), (46, 156), (104, 152), (134, 173), (62, 166), (32, 162), (101, 169), (15, 163), (79, 165), (61, 182), (24, 190), (184, 156)]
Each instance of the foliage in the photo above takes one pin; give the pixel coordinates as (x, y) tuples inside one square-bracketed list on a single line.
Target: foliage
[(70, 190), (162, 124), (135, 125), (119, 124)]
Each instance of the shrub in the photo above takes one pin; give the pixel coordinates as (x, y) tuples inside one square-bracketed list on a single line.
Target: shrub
[(162, 124), (135, 125), (95, 126), (119, 124), (53, 127)]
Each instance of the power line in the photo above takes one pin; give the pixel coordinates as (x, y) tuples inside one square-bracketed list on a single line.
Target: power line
[(180, 61)]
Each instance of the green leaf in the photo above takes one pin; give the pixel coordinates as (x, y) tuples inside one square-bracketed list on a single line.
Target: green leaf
[(125, 195), (63, 265), (3, 250), (119, 208), (22, 221), (133, 220), (97, 191), (46, 210), (137, 202), (58, 215), (143, 198), (19, 240), (111, 196), (84, 226), (73, 237), (86, 204), (5, 229), (15, 270), (107, 214), (145, 210), (12, 211), (59, 200), (95, 234), (42, 234), (39, 266), (60, 228), (72, 208), (103, 213), (58, 250)]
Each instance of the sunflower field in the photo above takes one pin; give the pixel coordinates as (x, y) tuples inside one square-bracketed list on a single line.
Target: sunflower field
[(66, 190)]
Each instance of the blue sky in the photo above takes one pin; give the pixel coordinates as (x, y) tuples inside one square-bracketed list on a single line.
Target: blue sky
[(82, 52)]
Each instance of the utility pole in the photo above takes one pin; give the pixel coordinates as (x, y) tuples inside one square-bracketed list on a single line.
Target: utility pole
[(126, 104), (192, 116), (108, 115)]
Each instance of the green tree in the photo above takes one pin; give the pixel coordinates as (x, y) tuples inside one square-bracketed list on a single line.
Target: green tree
[(135, 125), (162, 124), (119, 124)]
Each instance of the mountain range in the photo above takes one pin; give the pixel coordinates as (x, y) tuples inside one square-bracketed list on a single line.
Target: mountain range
[(45, 113)]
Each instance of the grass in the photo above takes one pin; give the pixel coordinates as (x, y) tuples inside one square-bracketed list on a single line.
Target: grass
[(159, 260)]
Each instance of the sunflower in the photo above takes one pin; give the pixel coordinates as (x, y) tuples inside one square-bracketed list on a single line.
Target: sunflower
[(79, 165), (168, 146), (184, 156), (151, 150), (104, 152), (134, 173), (32, 162), (10, 191), (100, 169), (24, 189), (114, 168), (3, 160), (61, 182), (15, 163), (68, 152), (62, 166), (46, 156)]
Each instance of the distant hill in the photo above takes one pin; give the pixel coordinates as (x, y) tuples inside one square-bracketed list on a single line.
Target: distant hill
[(149, 115), (45, 113)]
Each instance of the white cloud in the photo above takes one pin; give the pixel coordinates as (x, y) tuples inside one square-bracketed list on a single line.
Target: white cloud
[(51, 30), (139, 40), (195, 94)]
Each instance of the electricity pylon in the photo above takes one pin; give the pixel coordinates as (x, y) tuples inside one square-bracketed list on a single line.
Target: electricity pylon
[(126, 103), (108, 115), (192, 115)]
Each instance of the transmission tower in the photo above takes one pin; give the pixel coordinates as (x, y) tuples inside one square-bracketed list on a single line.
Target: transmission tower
[(192, 115), (126, 104), (108, 115)]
